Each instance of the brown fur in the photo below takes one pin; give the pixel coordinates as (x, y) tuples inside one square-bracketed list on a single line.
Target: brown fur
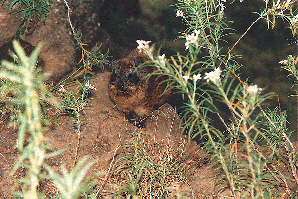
[(132, 91)]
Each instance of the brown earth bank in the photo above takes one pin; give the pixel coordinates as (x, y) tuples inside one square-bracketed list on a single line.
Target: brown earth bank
[(106, 137), (58, 52)]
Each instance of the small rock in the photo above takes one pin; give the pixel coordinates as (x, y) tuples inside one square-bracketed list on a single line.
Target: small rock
[(8, 26), (58, 49)]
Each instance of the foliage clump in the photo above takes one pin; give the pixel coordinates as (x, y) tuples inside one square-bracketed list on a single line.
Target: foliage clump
[(248, 142), (33, 151)]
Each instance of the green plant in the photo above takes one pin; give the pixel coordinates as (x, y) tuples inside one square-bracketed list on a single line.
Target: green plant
[(94, 60), (249, 152), (143, 172), (33, 154), (70, 183), (291, 65), (286, 10), (26, 76), (90, 60), (29, 10), (74, 104)]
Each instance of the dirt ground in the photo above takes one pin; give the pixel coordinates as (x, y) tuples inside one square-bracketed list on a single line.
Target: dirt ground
[(104, 135)]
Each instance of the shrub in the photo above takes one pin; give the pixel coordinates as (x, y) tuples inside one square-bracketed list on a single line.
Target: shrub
[(251, 145), (25, 76)]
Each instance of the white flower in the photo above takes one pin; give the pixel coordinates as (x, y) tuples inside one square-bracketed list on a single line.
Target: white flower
[(179, 13), (222, 8), (143, 46), (196, 77), (89, 86), (62, 89), (186, 77), (253, 90), (197, 32), (283, 62), (213, 76), (294, 20), (192, 39), (161, 60)]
